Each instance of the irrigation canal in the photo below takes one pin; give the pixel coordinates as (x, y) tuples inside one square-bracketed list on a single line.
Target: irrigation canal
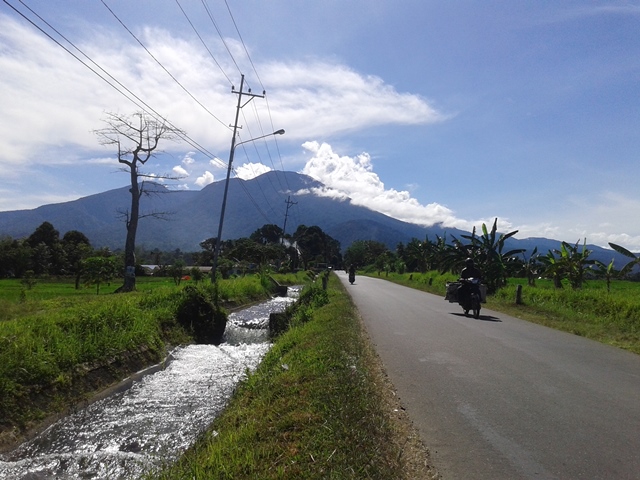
[(159, 417)]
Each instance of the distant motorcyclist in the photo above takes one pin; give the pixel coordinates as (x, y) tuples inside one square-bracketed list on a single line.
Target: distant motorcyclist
[(352, 273), (469, 271)]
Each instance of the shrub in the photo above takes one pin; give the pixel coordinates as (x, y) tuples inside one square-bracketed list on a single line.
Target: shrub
[(200, 317)]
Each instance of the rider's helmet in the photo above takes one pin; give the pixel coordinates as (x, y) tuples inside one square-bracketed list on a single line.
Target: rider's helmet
[(469, 262)]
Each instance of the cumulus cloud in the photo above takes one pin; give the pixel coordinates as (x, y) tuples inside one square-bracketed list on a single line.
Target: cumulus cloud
[(188, 158), (180, 171), (247, 171), (205, 179), (354, 177)]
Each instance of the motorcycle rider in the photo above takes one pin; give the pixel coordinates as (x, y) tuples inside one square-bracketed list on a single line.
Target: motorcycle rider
[(465, 290)]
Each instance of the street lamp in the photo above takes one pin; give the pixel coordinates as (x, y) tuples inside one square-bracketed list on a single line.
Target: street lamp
[(232, 151)]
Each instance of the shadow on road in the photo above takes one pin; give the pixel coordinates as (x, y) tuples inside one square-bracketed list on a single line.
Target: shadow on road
[(485, 318)]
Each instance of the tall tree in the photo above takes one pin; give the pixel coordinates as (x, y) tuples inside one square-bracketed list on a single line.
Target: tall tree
[(47, 256), (137, 138), (76, 247), (317, 246)]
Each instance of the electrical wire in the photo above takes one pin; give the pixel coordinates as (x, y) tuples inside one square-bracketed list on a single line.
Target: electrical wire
[(206, 7), (141, 104), (263, 89), (203, 43), (135, 99), (243, 44), (162, 66)]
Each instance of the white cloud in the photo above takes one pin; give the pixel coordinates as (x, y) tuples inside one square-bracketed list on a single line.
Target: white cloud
[(188, 158), (180, 171), (205, 179), (50, 100), (354, 177), (247, 171)]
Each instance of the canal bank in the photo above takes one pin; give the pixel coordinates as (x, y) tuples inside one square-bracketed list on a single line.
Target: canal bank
[(318, 406), (153, 416)]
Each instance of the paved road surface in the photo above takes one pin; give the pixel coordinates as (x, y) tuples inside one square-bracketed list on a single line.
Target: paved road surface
[(501, 398)]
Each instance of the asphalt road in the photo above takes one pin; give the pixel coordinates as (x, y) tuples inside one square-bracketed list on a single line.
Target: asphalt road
[(502, 398)]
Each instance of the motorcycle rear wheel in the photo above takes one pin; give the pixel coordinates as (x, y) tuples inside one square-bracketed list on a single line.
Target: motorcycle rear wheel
[(475, 302)]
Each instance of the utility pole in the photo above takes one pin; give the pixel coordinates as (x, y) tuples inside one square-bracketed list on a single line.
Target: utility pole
[(240, 105), (286, 214)]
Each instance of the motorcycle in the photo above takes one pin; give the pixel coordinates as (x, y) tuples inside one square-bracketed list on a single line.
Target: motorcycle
[(468, 293), (352, 277)]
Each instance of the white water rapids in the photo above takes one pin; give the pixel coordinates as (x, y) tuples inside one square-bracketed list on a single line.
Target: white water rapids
[(157, 419)]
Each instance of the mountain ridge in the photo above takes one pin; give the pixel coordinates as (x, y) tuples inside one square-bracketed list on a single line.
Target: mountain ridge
[(193, 216)]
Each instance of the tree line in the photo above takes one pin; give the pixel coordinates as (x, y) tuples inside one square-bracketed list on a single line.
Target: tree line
[(46, 253), (570, 264)]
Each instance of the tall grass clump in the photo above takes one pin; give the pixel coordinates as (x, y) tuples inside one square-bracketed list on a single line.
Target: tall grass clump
[(241, 290), (40, 353)]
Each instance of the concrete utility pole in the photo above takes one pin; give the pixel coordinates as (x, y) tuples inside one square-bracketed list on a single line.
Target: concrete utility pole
[(240, 105), (286, 214)]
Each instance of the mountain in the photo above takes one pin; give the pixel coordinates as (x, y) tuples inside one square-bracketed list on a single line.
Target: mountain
[(188, 217)]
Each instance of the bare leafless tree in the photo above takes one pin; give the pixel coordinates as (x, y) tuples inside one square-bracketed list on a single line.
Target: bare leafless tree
[(137, 138)]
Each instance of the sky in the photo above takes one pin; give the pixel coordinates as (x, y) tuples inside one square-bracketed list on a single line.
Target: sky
[(453, 111)]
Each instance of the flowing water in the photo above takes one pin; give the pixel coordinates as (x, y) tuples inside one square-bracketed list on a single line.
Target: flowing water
[(155, 420)]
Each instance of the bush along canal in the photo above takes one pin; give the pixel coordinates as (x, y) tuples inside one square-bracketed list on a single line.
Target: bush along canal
[(154, 421)]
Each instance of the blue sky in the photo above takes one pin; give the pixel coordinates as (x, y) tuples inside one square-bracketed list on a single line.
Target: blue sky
[(429, 111)]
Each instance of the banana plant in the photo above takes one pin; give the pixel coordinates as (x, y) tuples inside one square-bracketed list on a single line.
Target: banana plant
[(629, 266), (490, 258), (553, 268), (530, 266), (607, 271), (575, 262)]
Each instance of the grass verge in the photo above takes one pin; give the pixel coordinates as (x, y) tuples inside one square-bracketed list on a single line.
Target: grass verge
[(318, 407), (610, 317)]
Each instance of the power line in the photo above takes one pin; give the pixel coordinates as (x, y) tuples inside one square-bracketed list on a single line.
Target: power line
[(203, 43), (261, 84), (243, 44), (149, 110), (206, 7), (161, 65), (130, 95)]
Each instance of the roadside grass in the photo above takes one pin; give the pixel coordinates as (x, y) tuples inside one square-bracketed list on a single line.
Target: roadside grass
[(56, 337), (592, 312), (313, 409)]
